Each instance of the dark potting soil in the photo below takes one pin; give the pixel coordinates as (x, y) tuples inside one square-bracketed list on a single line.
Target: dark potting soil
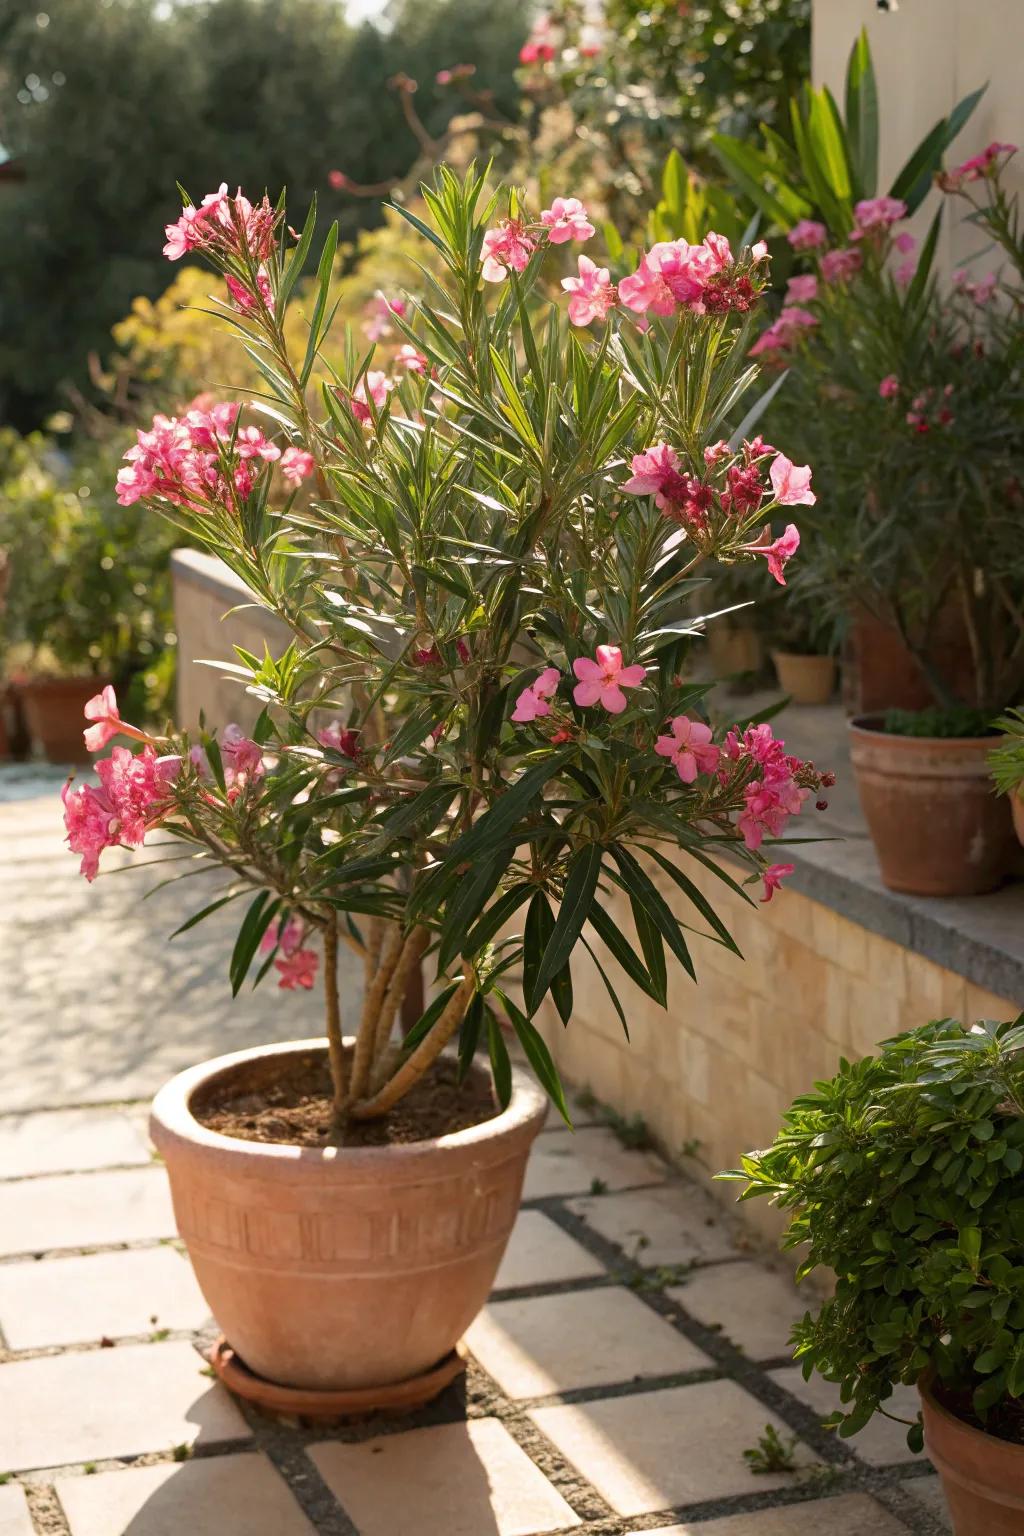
[(1005, 1420), (290, 1103)]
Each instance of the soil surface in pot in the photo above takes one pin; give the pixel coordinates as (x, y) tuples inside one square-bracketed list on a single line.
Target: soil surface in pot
[(1005, 1420), (291, 1105)]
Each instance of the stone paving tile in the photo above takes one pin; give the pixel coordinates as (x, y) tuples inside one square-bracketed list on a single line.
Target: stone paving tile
[(927, 1491), (546, 1344), (85, 1210), (15, 1519), (656, 1450), (72, 1140), (881, 1442), (851, 1515), (467, 1479), (540, 1253), (81, 1300), (755, 1306), (675, 1224), (106, 1403), (214, 1496), (567, 1163)]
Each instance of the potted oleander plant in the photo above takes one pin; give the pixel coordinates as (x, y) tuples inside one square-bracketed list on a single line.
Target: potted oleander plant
[(1006, 760), (901, 1175), (483, 724)]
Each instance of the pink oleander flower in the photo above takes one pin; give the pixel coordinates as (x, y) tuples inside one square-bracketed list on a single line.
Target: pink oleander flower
[(182, 235), (567, 219), (379, 386), (744, 489), (655, 472), (785, 331), (592, 293), (759, 250), (773, 877), (103, 709), (977, 166), (411, 359), (340, 738), (791, 482), (233, 224), (674, 272), (285, 936), (297, 464), (905, 272), (243, 757), (539, 47), (132, 798), (244, 299), (905, 243), (802, 289), (534, 701), (807, 235), (297, 970), (779, 552), (602, 681), (716, 452), (507, 248), (838, 266), (889, 387), (689, 748), (872, 215), (981, 291), (338, 180), (380, 309), (646, 290), (251, 443)]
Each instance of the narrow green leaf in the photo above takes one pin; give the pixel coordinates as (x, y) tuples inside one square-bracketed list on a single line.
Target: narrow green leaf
[(698, 898), (572, 914), (197, 917), (501, 1067), (537, 1054), (255, 923), (651, 900), (613, 938)]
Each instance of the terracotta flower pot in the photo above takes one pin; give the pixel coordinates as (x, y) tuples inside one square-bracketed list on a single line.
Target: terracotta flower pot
[(807, 679), (982, 1477), (1017, 812), (340, 1268), (53, 708), (880, 672), (733, 650), (937, 826)]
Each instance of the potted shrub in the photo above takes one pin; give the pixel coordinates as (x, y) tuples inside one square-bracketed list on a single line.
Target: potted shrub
[(1006, 761), (485, 560), (911, 396), (803, 652), (902, 1175), (88, 601)]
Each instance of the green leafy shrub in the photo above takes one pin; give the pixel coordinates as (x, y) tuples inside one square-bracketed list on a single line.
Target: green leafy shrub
[(902, 1174), (1007, 759), (958, 723)]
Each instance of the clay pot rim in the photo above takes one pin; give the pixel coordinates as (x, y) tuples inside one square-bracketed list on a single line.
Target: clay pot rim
[(172, 1120), (924, 1387), (862, 727), (803, 655)]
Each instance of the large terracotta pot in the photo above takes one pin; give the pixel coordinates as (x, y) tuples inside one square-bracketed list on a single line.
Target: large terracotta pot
[(807, 679), (1017, 812), (982, 1477), (53, 708), (879, 672), (338, 1268), (937, 826)]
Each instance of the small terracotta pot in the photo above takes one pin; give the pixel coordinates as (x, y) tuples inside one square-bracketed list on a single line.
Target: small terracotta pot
[(734, 650), (338, 1268), (807, 679), (937, 826), (1017, 812), (982, 1477), (53, 708)]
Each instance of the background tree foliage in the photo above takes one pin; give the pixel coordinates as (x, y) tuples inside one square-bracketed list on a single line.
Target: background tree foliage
[(107, 102)]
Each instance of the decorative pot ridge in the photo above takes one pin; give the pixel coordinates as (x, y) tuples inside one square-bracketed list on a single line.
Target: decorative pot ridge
[(343, 1267), (912, 789), (982, 1476)]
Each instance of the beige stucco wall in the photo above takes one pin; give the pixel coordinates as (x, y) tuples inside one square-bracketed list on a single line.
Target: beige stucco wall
[(731, 1053), (928, 54)]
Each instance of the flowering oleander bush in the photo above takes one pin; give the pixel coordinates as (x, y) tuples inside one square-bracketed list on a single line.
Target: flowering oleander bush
[(909, 398), (487, 558)]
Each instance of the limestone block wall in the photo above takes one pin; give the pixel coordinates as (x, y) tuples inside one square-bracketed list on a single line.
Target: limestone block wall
[(730, 1054)]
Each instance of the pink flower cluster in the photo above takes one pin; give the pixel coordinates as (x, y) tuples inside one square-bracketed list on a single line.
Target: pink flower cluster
[(132, 798), (340, 738), (379, 311), (535, 701), (785, 331), (296, 966), (230, 225), (775, 792), (374, 385), (874, 215), (988, 164), (690, 500), (539, 47), (930, 409), (808, 235), (200, 459), (591, 295), (979, 292), (601, 681), (674, 274), (509, 246), (689, 748)]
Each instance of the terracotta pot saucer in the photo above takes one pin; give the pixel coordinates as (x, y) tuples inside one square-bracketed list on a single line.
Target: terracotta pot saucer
[(311, 1403)]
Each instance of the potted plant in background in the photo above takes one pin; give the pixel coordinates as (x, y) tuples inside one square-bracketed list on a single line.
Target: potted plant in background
[(485, 560), (902, 1175), (804, 647), (1006, 761), (88, 594), (911, 398)]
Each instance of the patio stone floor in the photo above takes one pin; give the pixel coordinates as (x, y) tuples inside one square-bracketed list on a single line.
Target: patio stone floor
[(634, 1347)]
